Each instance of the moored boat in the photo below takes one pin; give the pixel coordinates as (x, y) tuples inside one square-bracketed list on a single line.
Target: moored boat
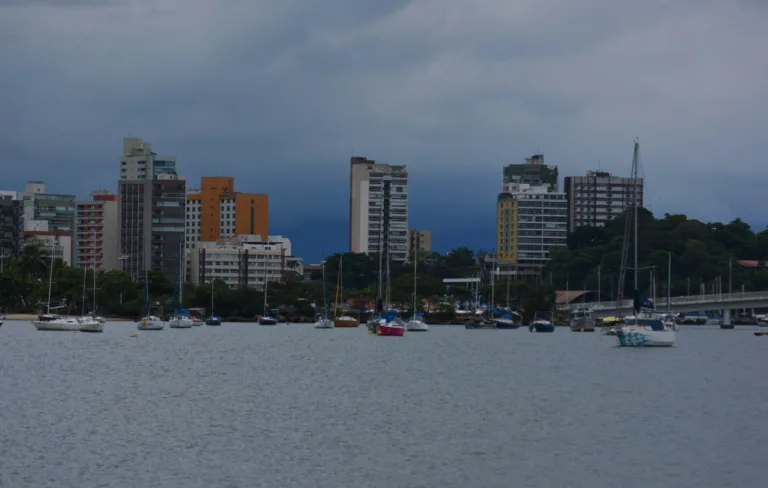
[(582, 321), (266, 320), (542, 323), (345, 321), (645, 332), (213, 320), (61, 324), (150, 322)]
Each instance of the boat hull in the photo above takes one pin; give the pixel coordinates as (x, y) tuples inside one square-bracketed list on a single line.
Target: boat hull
[(92, 326), (584, 324), (213, 321), (416, 326), (390, 330), (324, 324), (57, 326), (479, 326), (267, 321), (506, 324), (541, 328), (345, 323), (646, 338), (180, 323)]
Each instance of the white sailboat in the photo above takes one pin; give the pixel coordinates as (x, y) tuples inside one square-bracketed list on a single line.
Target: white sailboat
[(643, 329), (416, 324), (54, 322), (324, 322), (149, 321), (266, 319), (181, 318), (89, 323)]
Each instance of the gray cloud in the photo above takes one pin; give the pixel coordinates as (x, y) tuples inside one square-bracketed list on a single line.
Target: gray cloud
[(281, 93)]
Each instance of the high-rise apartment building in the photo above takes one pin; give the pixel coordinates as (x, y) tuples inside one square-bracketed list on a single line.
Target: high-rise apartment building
[(533, 172), (97, 232), (419, 240), (530, 221), (217, 211), (11, 224), (378, 208), (139, 162), (49, 218), (598, 197), (152, 199)]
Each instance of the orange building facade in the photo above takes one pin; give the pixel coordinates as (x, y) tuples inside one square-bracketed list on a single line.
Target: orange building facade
[(218, 211)]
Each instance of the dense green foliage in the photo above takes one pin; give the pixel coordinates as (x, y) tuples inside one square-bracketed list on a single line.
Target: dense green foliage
[(24, 287), (701, 253)]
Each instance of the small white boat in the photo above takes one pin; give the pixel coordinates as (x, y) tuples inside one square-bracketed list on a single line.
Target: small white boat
[(90, 324), (150, 322), (62, 324), (582, 321), (324, 323), (645, 333), (180, 321), (416, 324)]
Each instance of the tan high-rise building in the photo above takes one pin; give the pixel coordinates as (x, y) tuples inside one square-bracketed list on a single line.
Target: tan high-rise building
[(217, 211), (419, 239), (378, 208), (97, 232)]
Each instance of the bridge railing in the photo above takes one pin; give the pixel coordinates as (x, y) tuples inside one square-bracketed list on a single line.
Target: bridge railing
[(722, 299)]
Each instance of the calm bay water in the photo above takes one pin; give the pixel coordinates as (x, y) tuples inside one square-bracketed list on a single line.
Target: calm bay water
[(250, 406)]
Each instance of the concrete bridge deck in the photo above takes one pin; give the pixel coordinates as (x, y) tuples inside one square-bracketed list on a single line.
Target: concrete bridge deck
[(698, 303)]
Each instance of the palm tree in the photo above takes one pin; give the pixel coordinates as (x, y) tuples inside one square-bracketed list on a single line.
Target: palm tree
[(34, 263)]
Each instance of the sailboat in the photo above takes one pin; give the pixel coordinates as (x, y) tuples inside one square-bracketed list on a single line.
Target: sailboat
[(149, 321), (89, 323), (323, 322), (181, 318), (52, 322), (542, 322), (644, 329), (344, 320), (212, 320), (416, 324), (265, 319)]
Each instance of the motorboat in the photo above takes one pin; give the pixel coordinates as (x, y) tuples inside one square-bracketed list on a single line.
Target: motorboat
[(582, 321), (150, 322), (417, 324)]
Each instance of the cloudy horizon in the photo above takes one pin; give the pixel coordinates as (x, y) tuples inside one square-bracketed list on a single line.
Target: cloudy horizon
[(280, 94)]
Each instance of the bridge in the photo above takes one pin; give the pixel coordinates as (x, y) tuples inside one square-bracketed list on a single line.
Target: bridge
[(698, 303)]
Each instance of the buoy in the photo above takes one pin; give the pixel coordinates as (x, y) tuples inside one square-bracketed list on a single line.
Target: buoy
[(581, 330), (133, 334)]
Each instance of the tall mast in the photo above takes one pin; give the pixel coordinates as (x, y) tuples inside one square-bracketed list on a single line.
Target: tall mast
[(669, 283), (381, 249), (414, 283), (266, 283), (325, 298), (85, 284), (635, 162), (50, 276), (493, 287), (94, 273), (212, 297), (181, 286)]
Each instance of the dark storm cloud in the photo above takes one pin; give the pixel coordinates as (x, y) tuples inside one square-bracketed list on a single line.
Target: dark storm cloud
[(281, 93)]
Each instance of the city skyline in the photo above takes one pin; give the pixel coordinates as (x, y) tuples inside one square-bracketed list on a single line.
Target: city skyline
[(282, 108)]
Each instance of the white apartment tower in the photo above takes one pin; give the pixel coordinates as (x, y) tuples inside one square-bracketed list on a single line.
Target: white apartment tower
[(378, 208), (598, 197)]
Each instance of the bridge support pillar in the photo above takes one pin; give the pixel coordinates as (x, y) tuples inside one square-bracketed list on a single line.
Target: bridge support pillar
[(727, 317)]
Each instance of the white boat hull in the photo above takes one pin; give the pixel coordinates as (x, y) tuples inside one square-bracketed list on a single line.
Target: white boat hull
[(636, 337), (150, 323), (416, 326), (89, 324), (58, 325), (324, 324), (180, 323)]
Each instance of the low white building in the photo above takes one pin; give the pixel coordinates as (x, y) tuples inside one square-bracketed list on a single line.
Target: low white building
[(243, 261)]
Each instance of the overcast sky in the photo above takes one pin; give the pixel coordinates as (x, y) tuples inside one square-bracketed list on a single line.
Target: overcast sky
[(280, 93)]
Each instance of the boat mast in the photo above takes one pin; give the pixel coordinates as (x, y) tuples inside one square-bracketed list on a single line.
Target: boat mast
[(414, 283), (266, 283), (635, 162), (50, 277), (85, 278), (493, 288), (94, 274), (338, 284), (669, 283), (181, 287), (341, 278), (381, 251), (212, 296), (325, 298)]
